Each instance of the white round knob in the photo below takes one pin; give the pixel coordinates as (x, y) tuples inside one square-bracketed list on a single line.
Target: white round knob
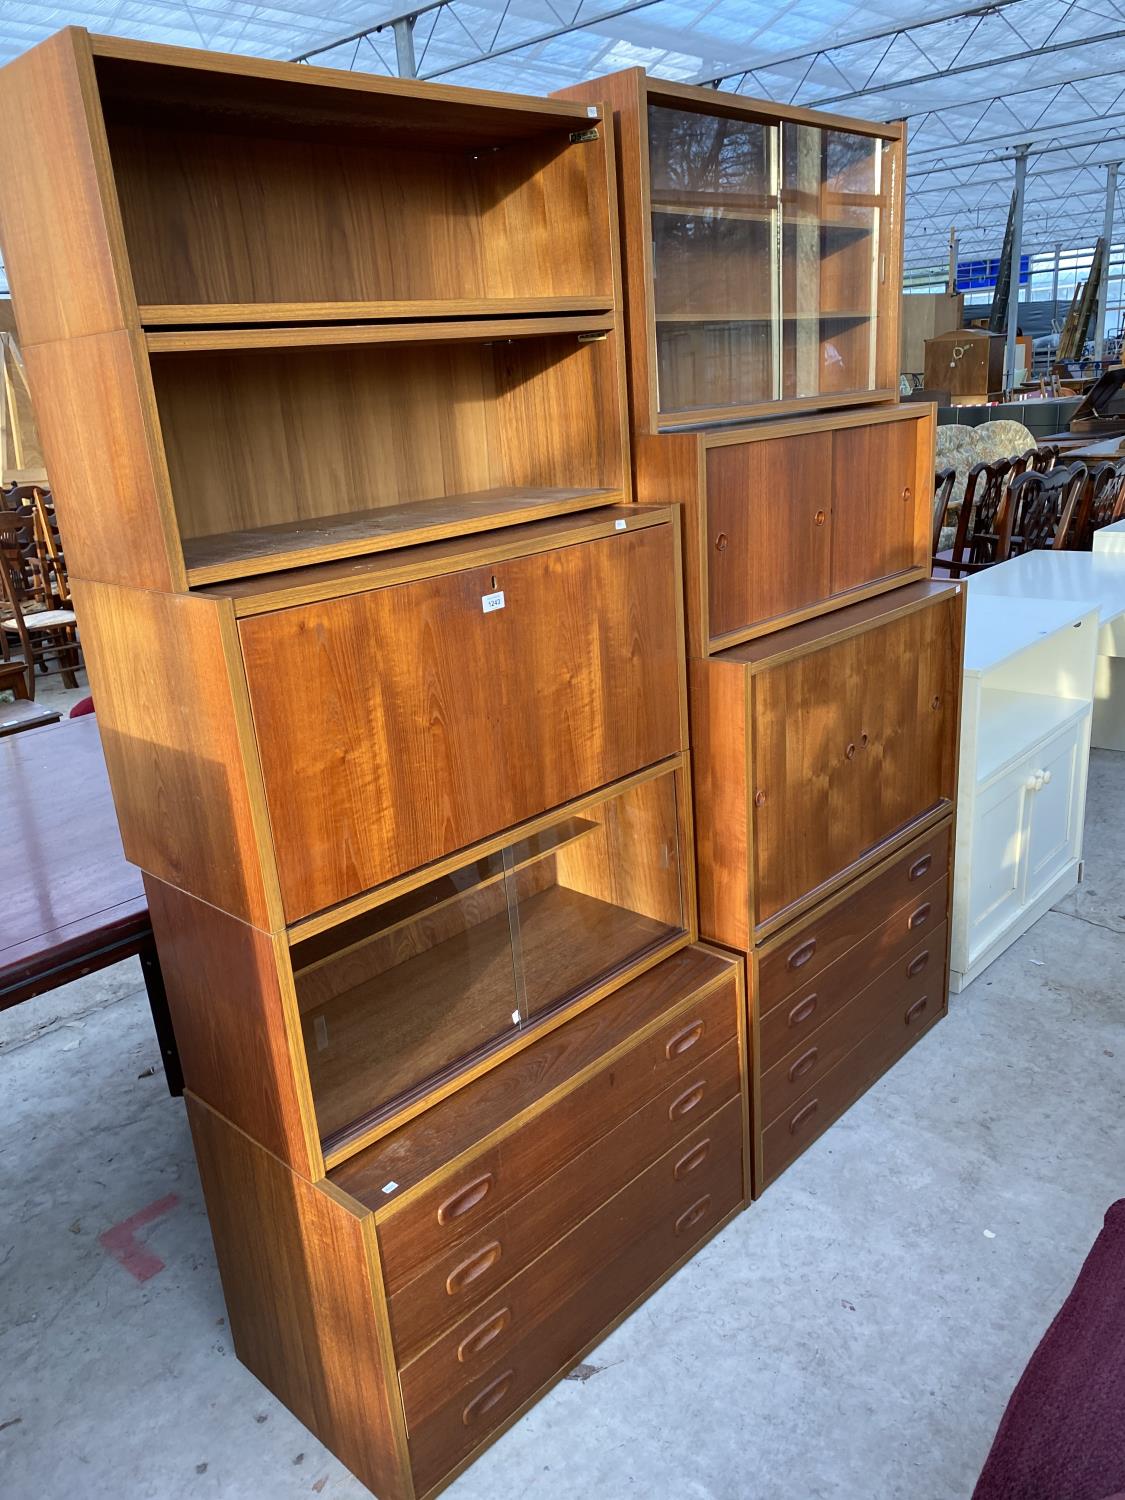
[(1030, 784), (1046, 777)]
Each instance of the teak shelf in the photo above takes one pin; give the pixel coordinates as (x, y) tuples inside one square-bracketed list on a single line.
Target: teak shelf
[(721, 195)]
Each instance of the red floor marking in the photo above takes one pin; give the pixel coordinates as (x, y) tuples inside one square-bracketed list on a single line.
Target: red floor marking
[(122, 1244)]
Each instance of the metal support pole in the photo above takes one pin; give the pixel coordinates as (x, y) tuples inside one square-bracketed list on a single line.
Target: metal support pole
[(404, 47), (951, 286), (1107, 241), (1014, 285), (1055, 283)]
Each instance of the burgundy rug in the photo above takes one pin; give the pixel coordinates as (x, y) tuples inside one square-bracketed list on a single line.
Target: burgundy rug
[(1062, 1436)]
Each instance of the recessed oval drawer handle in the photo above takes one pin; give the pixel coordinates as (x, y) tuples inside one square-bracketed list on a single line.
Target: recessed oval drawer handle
[(802, 1010), (476, 1342), (916, 965), (686, 1102), (803, 1064), (472, 1269), (919, 867), (464, 1199), (802, 1115), (692, 1159), (491, 1396), (920, 915), (684, 1040), (691, 1216), (917, 1008), (800, 956)]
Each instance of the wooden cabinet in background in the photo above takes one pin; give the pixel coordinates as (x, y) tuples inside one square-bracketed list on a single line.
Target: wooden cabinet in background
[(786, 520), (762, 251)]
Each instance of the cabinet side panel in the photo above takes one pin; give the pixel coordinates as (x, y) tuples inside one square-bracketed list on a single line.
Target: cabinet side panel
[(302, 1307), (669, 471), (720, 773), (165, 681), (235, 1018), (63, 246), (890, 281), (102, 455)]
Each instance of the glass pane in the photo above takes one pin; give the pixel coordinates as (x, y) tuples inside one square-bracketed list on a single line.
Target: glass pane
[(401, 996), (829, 264), (610, 893), (714, 219)]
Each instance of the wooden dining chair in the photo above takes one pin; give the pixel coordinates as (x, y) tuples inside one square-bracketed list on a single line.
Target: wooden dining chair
[(976, 543), (1040, 509), (944, 481), (1101, 503), (45, 635)]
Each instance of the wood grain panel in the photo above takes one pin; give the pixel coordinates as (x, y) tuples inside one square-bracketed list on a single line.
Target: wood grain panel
[(63, 248), (227, 218), (236, 1024), (427, 724), (720, 736), (668, 470), (105, 461), (852, 744), (874, 499), (305, 1309), (174, 727), (768, 529)]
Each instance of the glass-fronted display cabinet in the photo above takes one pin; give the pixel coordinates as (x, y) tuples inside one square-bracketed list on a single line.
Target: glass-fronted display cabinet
[(415, 991), (768, 271)]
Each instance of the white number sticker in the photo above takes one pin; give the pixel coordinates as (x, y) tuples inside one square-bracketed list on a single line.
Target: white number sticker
[(489, 602)]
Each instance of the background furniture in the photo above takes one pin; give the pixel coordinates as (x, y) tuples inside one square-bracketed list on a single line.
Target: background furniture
[(405, 765), (1110, 538), (924, 315), (1025, 740), (967, 362), (71, 903), (761, 251), (1096, 579)]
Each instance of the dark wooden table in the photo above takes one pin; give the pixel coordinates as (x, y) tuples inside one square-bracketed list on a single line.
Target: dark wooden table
[(70, 903)]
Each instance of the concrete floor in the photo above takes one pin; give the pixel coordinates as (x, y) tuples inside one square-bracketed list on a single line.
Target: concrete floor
[(855, 1334)]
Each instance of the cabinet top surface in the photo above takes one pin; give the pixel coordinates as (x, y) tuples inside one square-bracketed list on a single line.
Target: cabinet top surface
[(824, 630), (1110, 538), (1084, 579), (999, 628)]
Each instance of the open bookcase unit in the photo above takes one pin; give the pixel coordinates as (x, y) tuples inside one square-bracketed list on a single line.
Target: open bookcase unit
[(246, 192), (291, 453), (417, 991), (326, 314), (761, 250)]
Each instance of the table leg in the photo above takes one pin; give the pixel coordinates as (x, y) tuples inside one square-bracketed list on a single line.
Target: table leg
[(161, 1017)]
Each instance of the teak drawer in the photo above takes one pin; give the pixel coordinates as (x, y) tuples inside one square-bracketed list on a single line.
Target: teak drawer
[(915, 980), (487, 1181), (486, 1367), (805, 1119), (460, 1276), (819, 752), (914, 926), (439, 711), (895, 903)]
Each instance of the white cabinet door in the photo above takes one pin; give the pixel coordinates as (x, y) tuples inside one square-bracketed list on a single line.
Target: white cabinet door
[(1053, 809), (997, 861)]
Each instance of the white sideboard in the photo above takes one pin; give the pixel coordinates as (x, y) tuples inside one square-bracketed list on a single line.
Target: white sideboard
[(1098, 578), (1025, 743)]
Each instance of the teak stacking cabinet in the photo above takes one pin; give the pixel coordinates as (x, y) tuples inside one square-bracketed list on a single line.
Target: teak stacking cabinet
[(762, 249), (297, 356), (789, 519)]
